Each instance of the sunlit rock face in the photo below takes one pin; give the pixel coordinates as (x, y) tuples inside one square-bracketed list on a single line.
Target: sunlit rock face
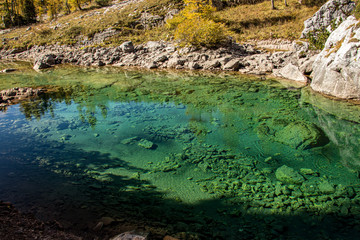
[(333, 11), (336, 69)]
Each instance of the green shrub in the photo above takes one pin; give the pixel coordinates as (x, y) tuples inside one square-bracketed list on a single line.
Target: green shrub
[(102, 3), (195, 25), (356, 11), (317, 39), (200, 33), (74, 31), (45, 32)]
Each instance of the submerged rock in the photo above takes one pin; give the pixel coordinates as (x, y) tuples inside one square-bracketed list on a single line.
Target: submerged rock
[(287, 174), (301, 135), (131, 140), (131, 236), (326, 187), (308, 171), (147, 144), (15, 95), (107, 220)]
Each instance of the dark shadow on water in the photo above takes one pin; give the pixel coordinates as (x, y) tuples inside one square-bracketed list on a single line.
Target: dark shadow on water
[(49, 184)]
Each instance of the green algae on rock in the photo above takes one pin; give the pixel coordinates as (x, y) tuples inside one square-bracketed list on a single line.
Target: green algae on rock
[(301, 135), (146, 144), (287, 174)]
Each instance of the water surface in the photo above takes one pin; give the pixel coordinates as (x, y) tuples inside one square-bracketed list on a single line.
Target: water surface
[(188, 154)]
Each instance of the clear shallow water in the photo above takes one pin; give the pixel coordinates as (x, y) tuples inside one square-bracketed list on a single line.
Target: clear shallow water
[(181, 152)]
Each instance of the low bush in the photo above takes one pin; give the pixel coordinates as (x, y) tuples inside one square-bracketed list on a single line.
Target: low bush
[(356, 11), (200, 32), (195, 25), (102, 3), (317, 39), (74, 31)]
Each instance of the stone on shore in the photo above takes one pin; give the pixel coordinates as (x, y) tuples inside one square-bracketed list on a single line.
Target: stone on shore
[(292, 72), (44, 61), (233, 65), (127, 47), (8, 70)]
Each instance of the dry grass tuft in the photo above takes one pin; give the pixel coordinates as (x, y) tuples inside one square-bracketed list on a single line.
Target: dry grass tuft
[(258, 21)]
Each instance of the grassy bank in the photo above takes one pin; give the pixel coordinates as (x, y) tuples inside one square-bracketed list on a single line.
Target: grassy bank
[(245, 22), (259, 21)]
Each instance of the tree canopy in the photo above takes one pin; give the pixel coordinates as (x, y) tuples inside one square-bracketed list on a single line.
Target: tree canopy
[(22, 12)]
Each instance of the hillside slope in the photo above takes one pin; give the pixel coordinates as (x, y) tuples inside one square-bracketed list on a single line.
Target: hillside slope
[(141, 21)]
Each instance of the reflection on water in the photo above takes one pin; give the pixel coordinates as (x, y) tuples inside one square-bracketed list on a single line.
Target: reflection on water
[(214, 157)]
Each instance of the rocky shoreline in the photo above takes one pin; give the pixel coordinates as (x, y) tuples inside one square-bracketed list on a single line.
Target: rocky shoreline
[(245, 58), (17, 225), (335, 68), (294, 61)]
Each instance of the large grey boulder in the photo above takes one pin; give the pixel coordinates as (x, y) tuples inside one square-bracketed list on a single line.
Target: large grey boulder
[(44, 61), (292, 72), (332, 11), (233, 65), (154, 45), (336, 70), (127, 47)]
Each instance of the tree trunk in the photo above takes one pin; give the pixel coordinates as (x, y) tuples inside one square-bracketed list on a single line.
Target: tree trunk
[(67, 10), (285, 2), (272, 4)]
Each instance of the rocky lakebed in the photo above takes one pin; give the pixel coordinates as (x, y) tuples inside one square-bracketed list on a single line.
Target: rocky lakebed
[(153, 141), (187, 155)]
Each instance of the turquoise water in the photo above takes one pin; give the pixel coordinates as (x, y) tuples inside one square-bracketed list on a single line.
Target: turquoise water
[(192, 155)]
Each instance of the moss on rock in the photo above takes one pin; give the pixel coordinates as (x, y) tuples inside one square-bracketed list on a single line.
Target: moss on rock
[(287, 174), (301, 135)]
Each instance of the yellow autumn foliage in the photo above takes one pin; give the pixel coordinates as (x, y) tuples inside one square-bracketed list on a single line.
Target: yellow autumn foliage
[(195, 25)]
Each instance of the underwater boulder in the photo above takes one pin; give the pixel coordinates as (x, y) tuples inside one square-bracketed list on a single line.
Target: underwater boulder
[(131, 235), (326, 187), (287, 174), (147, 144), (301, 135)]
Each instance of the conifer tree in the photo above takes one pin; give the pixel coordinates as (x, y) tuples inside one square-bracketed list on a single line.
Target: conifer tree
[(28, 10)]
